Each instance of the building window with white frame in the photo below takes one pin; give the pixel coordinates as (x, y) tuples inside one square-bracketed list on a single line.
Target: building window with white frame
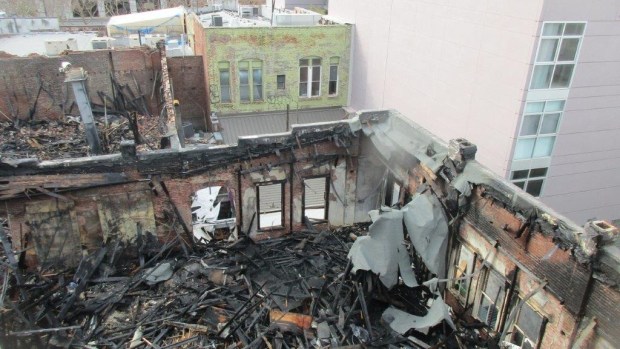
[(250, 81), (224, 69), (539, 128), (309, 77), (531, 180), (527, 328), (557, 55), (463, 268), (333, 75), (491, 299)]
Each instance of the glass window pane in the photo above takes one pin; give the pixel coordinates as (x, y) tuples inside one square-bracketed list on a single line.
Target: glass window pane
[(281, 80), (546, 52), (225, 94), (538, 172), (568, 50), (243, 77), (333, 73), (519, 184), (316, 88), (554, 106), (258, 92), (530, 125), (303, 89), (529, 321), (543, 147), (224, 77), (333, 87), (520, 174), (244, 93), (257, 75), (553, 29), (574, 28), (534, 187), (316, 73), (524, 148), (303, 74), (534, 107), (541, 76), (550, 123), (303, 62), (316, 61), (562, 75)]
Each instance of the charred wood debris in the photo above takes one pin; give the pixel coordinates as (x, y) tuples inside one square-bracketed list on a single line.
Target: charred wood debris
[(298, 291), (122, 116)]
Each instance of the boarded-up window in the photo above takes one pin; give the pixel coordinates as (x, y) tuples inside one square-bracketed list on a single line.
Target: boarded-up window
[(55, 233), (123, 215), (270, 203), (315, 198)]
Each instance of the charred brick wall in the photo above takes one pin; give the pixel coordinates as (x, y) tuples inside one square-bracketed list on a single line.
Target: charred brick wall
[(188, 83), (33, 87)]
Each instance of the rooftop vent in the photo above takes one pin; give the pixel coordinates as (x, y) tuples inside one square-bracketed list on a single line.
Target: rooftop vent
[(217, 21)]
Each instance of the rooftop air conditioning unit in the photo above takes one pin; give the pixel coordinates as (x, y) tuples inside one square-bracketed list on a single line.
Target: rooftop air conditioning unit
[(217, 21), (100, 44)]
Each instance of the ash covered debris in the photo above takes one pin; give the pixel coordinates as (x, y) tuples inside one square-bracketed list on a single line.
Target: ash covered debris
[(243, 266), (297, 291)]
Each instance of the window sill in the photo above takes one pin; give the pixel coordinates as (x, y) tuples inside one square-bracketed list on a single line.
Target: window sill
[(333, 96), (269, 229), (314, 98), (258, 101)]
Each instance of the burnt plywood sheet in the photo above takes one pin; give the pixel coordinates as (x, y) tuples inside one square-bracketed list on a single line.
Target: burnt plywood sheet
[(55, 233), (122, 215)]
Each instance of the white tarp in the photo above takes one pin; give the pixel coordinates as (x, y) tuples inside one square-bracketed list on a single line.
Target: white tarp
[(428, 230), (166, 21), (402, 322), (383, 250)]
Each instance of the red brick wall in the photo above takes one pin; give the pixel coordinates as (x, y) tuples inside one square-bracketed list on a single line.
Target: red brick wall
[(20, 78), (187, 74)]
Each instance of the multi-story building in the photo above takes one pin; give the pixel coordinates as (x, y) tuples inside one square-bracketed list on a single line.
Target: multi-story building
[(536, 84), (253, 64)]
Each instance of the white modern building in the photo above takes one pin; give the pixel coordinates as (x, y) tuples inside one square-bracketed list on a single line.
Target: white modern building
[(535, 84)]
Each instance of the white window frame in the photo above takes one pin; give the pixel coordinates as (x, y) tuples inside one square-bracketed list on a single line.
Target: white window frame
[(334, 62), (483, 295), (555, 63), (526, 180), (538, 135), (310, 77), (458, 285)]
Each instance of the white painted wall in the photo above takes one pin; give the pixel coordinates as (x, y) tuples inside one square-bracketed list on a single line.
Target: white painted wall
[(584, 177), (458, 68)]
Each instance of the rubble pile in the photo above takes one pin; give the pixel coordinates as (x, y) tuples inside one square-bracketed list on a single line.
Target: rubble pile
[(65, 139), (293, 292)]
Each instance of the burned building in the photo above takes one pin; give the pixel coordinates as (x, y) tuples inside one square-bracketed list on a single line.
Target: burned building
[(267, 243)]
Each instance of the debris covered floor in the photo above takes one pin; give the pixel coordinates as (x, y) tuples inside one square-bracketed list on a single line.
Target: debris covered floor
[(296, 291), (267, 244)]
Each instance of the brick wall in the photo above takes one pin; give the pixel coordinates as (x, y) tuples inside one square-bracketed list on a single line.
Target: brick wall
[(188, 83), (21, 79)]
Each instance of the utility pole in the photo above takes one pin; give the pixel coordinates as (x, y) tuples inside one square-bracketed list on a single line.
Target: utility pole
[(77, 77)]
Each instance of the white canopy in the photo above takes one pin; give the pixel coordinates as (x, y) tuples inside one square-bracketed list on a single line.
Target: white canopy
[(166, 21)]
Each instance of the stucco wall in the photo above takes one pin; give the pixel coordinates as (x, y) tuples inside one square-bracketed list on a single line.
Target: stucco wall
[(279, 49)]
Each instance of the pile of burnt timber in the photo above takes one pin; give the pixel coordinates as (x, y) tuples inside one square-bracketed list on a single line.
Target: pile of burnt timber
[(292, 292)]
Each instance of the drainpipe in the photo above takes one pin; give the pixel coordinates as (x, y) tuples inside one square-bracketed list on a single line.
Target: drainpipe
[(77, 77)]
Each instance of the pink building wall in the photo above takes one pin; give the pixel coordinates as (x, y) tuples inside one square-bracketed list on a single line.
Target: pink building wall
[(456, 67), (462, 69), (584, 176)]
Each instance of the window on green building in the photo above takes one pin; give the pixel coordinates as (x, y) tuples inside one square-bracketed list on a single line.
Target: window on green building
[(224, 68), (250, 80), (333, 75), (310, 77)]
